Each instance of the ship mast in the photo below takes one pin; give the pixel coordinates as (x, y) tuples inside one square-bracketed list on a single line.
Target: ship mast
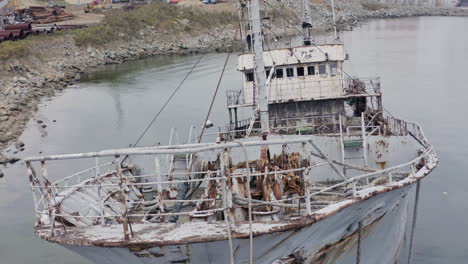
[(260, 76), (306, 22)]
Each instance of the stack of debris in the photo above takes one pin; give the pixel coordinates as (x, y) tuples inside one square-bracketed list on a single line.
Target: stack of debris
[(43, 14), (14, 32)]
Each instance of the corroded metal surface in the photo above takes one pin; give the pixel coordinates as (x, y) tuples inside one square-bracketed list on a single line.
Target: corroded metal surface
[(275, 174), (337, 243)]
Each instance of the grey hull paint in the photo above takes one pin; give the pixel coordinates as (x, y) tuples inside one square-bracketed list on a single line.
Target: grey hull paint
[(331, 240)]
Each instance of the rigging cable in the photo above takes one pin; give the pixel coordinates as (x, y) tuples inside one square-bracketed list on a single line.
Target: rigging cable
[(179, 86), (324, 53), (187, 194), (217, 88)]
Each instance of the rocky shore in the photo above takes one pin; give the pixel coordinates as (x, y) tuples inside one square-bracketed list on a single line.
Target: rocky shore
[(59, 62), (24, 82)]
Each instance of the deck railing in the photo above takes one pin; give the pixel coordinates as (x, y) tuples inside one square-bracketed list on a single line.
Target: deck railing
[(303, 125), (110, 180)]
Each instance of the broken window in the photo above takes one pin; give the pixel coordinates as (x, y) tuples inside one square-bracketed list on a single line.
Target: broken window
[(300, 71), (322, 69), (333, 69), (279, 73), (290, 72), (311, 70), (249, 76)]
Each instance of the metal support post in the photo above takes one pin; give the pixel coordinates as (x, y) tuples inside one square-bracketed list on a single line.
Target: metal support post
[(354, 189), (33, 182), (226, 205), (364, 141), (99, 189), (47, 195), (122, 198), (260, 76), (158, 179), (305, 179), (342, 145)]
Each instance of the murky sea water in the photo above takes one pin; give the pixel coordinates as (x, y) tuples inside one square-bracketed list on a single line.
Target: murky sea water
[(423, 63)]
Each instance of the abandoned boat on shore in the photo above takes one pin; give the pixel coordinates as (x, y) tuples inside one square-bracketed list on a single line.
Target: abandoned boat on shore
[(319, 174)]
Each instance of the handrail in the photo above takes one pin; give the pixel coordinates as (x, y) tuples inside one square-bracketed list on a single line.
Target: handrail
[(367, 175), (175, 149), (343, 183), (233, 176), (43, 206)]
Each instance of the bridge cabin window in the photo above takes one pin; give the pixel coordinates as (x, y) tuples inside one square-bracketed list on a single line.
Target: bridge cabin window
[(279, 73), (249, 76), (311, 70), (333, 69), (300, 71), (322, 69), (290, 72)]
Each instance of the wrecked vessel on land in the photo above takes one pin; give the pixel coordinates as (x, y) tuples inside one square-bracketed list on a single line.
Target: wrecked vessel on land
[(319, 174)]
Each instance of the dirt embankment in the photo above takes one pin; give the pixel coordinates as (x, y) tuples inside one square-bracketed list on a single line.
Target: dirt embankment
[(49, 64), (52, 63)]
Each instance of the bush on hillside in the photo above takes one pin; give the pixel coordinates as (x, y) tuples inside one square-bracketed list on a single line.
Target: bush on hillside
[(161, 17)]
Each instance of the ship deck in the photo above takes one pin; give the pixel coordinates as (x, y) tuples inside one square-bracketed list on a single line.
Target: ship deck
[(160, 234), (87, 208)]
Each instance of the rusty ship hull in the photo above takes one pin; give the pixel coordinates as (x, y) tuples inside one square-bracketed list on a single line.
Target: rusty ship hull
[(367, 226), (334, 239)]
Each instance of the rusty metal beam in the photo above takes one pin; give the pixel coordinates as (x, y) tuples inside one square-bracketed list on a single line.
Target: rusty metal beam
[(227, 204), (123, 200), (174, 149)]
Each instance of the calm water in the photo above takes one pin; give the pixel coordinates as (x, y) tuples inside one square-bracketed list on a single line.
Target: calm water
[(422, 62)]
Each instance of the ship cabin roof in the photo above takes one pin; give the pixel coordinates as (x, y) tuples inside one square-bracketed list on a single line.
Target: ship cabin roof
[(292, 56)]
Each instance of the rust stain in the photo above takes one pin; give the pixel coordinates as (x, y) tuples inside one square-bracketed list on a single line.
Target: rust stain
[(279, 243), (331, 252), (286, 226), (381, 164)]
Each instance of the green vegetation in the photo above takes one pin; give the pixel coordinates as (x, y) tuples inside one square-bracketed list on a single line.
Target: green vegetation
[(161, 17), (15, 49), (372, 5)]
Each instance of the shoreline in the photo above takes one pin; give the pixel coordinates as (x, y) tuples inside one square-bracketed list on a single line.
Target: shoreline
[(25, 82)]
